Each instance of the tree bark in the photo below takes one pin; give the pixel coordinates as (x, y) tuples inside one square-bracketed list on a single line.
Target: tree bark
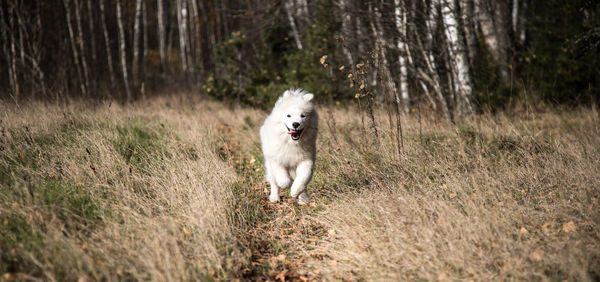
[(107, 45), (493, 23), (82, 84), (145, 45), (346, 31), (197, 36), (401, 24), (123, 55), (160, 14), (9, 51), (459, 63), (290, 15), (181, 23), (92, 33), (136, 45), (81, 42)]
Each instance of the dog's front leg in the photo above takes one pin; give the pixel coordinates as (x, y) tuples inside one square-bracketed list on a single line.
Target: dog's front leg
[(304, 173), (278, 178)]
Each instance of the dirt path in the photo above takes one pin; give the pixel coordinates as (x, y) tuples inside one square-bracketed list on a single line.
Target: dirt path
[(277, 238)]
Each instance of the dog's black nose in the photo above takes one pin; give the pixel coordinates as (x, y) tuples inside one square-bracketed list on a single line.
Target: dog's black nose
[(295, 124)]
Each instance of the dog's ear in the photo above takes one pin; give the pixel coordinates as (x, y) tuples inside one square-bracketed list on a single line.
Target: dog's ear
[(287, 93), (308, 97)]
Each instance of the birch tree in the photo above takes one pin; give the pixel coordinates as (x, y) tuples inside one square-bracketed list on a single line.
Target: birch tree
[(182, 26), (346, 31), (75, 52), (401, 23), (8, 46), (160, 14), (81, 43), (109, 59), (288, 5), (493, 17), (460, 63), (136, 44), (123, 55)]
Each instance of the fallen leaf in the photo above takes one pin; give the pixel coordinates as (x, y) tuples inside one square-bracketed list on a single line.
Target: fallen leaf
[(280, 276), (524, 231), (569, 227), (536, 255), (303, 278), (452, 195), (546, 227), (316, 272)]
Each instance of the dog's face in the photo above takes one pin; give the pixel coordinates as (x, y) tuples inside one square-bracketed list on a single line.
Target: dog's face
[(295, 121), (296, 115)]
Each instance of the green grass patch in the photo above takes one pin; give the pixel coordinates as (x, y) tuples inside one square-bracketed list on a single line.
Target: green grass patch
[(140, 145)]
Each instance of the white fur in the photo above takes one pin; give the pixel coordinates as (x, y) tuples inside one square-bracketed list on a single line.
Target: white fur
[(287, 161)]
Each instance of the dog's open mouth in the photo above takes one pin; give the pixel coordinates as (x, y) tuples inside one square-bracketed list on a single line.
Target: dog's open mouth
[(295, 133)]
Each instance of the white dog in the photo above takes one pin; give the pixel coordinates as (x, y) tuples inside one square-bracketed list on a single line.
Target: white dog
[(289, 144)]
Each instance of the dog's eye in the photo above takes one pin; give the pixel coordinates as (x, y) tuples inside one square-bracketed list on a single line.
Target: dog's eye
[(302, 116), (289, 115)]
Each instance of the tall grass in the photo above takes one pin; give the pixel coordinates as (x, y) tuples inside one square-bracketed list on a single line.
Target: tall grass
[(172, 189)]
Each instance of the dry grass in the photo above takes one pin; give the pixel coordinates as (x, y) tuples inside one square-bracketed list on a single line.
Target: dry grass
[(494, 198), (171, 189), (113, 192)]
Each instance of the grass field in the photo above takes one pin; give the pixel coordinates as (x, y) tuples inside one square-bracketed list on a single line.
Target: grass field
[(172, 189)]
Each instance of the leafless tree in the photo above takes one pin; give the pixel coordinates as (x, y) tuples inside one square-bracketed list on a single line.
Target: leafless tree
[(122, 52)]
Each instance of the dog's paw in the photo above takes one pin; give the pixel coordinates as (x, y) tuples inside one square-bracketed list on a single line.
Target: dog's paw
[(303, 198), (274, 198)]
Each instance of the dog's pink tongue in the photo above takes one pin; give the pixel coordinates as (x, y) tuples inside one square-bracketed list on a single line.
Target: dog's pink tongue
[(292, 131)]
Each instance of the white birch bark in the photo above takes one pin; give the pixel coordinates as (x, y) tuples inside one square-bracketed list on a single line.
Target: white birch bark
[(123, 55), (136, 44), (491, 15), (290, 15), (346, 31), (81, 43), (74, 50), (182, 28), (111, 71), (459, 63), (432, 76), (161, 32), (401, 20)]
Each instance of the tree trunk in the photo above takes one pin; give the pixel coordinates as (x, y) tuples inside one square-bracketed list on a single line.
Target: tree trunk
[(107, 41), (469, 29), (74, 51), (290, 15), (122, 51), (8, 49), (459, 63), (197, 36), (492, 21), (432, 77), (81, 42), (181, 24), (92, 32), (136, 46), (401, 24), (346, 32), (160, 14), (145, 45)]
